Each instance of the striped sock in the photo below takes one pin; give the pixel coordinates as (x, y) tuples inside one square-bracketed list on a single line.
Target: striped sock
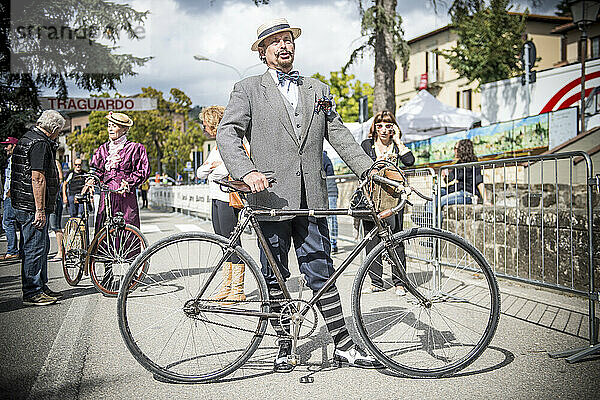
[(275, 293), (331, 309)]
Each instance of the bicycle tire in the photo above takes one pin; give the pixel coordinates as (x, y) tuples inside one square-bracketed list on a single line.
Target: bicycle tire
[(74, 246), (100, 261), (175, 280), (418, 341)]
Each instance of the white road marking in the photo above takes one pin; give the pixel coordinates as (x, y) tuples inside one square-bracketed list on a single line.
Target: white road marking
[(149, 228), (188, 227)]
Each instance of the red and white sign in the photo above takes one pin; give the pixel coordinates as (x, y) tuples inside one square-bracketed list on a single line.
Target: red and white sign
[(98, 104), (555, 89), (423, 82)]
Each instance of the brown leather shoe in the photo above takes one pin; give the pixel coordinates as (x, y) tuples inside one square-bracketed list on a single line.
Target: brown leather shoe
[(8, 257)]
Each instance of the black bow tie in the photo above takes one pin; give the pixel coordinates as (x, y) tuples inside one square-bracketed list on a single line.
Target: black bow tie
[(292, 76)]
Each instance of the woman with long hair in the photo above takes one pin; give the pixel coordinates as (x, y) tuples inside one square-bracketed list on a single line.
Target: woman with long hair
[(461, 185), (384, 143), (224, 216)]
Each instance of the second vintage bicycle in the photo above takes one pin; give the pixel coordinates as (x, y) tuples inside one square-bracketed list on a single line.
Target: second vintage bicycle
[(111, 251)]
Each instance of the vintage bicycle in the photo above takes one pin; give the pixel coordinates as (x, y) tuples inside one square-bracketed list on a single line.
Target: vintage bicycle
[(111, 251), (175, 327)]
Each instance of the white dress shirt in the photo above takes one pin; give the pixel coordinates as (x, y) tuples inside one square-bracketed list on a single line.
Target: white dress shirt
[(289, 90)]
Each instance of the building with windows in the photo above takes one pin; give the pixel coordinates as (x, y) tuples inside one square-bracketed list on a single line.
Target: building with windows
[(427, 69), (570, 51)]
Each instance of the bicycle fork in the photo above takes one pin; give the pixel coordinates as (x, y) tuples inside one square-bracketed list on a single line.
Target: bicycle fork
[(410, 288)]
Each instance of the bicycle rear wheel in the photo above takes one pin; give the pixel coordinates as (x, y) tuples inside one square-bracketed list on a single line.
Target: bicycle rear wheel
[(415, 339), (111, 254), (176, 334), (74, 248)]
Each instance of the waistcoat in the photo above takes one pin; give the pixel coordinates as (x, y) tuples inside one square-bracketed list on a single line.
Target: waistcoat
[(21, 189)]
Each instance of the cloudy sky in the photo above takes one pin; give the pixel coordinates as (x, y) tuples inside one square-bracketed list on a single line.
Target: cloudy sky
[(223, 30)]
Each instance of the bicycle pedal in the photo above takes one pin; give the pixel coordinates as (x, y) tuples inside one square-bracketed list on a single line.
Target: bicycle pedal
[(292, 360), (307, 379)]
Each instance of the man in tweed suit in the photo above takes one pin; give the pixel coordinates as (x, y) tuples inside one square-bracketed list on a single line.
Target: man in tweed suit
[(285, 118)]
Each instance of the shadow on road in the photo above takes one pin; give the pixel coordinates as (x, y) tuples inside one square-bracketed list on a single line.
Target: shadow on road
[(509, 357), (556, 318)]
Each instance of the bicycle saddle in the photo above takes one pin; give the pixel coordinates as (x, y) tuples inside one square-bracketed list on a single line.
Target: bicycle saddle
[(239, 185)]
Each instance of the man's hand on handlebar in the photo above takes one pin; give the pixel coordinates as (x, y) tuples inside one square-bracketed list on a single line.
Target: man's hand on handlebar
[(257, 181)]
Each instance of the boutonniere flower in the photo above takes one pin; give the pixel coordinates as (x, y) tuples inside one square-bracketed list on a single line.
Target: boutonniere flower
[(325, 104)]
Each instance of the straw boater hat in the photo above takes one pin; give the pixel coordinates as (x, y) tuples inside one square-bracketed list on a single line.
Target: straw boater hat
[(272, 27), (119, 119)]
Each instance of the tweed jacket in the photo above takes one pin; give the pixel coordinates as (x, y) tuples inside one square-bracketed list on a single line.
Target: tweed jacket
[(257, 110)]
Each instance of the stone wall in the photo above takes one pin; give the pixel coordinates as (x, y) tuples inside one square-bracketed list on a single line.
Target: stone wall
[(543, 244)]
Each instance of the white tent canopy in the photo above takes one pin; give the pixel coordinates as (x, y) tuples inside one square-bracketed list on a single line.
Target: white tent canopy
[(424, 116)]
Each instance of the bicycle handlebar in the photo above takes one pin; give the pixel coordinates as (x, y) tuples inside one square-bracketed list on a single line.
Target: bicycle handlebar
[(391, 182), (103, 187), (400, 185), (237, 185)]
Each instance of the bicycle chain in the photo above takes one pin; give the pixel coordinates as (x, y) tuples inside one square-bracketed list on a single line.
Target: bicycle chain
[(282, 302)]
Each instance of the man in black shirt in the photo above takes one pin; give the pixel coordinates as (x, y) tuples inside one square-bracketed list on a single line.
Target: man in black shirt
[(34, 187), (73, 184)]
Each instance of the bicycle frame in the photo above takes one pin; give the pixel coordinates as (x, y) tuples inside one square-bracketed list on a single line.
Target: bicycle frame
[(381, 228), (108, 221)]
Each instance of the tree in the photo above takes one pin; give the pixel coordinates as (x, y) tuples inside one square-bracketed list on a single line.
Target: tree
[(489, 43), (563, 9), (346, 91), (163, 131), (49, 43), (381, 27)]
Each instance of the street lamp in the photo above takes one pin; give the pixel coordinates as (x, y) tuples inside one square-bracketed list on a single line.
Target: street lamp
[(240, 74), (584, 14)]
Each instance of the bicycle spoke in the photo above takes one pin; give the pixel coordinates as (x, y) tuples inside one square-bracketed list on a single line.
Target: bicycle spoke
[(429, 339), (206, 344)]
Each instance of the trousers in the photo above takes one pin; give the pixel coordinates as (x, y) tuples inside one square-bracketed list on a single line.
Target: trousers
[(35, 245), (311, 242), (10, 227)]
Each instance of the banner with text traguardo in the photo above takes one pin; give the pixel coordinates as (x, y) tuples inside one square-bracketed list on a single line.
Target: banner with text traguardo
[(98, 104)]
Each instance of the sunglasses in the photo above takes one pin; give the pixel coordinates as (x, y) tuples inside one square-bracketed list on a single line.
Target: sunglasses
[(382, 125), (78, 165)]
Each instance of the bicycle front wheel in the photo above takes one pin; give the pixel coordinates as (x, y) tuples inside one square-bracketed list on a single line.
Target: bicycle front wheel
[(74, 248), (449, 326), (177, 322), (111, 254)]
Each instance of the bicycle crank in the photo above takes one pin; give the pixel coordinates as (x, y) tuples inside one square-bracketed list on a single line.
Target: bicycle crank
[(298, 316)]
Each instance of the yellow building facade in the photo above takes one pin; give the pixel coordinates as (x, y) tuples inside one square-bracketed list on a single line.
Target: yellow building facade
[(445, 84)]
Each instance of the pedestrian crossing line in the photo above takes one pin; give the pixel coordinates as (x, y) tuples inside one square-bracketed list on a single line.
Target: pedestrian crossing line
[(188, 227), (149, 228)]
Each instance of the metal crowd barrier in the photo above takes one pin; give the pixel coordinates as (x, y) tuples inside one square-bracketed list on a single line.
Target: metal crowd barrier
[(425, 181), (187, 198), (532, 219)]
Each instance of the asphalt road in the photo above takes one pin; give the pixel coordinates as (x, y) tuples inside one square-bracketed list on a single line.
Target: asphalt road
[(73, 350)]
